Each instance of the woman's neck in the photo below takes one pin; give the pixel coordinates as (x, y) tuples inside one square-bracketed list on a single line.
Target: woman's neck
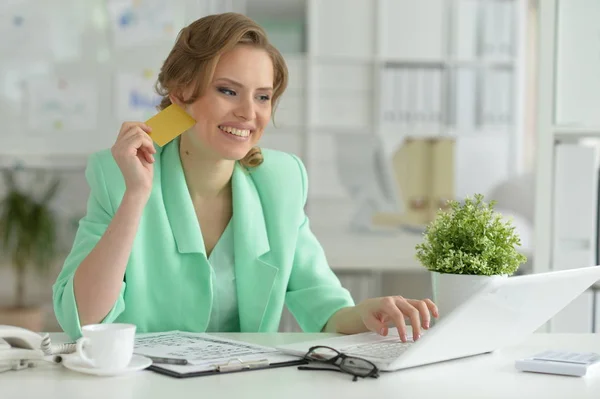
[(206, 177)]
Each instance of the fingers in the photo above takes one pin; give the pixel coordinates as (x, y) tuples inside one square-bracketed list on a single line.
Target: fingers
[(133, 128), (396, 309), (432, 307), (412, 313), (423, 310), (390, 306), (145, 156), (377, 324), (134, 140), (127, 126), (137, 139), (426, 308)]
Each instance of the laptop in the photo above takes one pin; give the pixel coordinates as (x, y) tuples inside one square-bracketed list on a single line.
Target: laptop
[(503, 313)]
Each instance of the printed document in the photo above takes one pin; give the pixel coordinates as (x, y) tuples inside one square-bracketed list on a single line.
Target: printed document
[(204, 351)]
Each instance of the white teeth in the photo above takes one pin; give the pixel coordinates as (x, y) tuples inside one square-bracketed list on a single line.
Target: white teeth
[(234, 131)]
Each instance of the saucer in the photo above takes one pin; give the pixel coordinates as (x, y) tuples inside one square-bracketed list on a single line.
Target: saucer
[(75, 363)]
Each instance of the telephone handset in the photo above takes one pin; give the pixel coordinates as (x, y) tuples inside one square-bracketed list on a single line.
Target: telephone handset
[(22, 348)]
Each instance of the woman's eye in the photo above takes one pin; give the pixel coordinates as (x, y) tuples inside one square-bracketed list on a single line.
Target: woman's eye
[(264, 98), (227, 91)]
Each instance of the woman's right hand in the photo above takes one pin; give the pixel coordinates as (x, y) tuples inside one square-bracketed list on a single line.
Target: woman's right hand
[(133, 151)]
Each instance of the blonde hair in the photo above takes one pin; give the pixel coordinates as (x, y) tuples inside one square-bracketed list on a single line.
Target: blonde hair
[(195, 55)]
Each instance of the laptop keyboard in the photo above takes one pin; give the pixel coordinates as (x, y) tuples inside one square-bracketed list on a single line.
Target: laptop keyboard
[(387, 349)]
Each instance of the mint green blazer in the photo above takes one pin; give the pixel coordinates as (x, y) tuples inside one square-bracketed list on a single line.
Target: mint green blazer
[(167, 284)]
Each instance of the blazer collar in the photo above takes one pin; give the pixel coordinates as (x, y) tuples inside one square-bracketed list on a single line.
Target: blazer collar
[(250, 231)]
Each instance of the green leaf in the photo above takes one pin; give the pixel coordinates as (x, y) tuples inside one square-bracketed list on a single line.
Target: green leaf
[(470, 239)]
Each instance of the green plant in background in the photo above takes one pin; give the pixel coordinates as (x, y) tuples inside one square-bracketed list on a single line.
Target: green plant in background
[(28, 229), (470, 239)]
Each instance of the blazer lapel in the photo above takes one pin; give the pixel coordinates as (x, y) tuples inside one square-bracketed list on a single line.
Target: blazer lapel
[(178, 203), (254, 274)]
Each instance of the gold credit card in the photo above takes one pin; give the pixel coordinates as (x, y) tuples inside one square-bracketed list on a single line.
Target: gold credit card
[(169, 123)]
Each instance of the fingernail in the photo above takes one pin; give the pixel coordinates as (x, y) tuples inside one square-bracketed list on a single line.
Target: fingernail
[(416, 337), (382, 331), (427, 325)]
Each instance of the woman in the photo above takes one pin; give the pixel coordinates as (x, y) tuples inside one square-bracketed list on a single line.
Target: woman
[(208, 233)]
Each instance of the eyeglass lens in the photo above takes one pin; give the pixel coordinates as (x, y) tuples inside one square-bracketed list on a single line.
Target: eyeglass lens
[(356, 366), (322, 354), (349, 364)]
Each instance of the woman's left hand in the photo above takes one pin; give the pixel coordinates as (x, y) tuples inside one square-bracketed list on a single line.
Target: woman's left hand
[(378, 313)]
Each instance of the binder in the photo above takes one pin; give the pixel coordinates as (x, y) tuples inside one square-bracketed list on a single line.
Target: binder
[(575, 206), (388, 90), (464, 90), (442, 177), (489, 45), (596, 307), (574, 240), (412, 166), (466, 29), (233, 366)]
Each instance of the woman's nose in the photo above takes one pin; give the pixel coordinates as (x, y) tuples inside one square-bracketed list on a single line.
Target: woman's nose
[(245, 110)]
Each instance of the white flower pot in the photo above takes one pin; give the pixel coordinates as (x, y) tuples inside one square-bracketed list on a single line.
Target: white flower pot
[(450, 290)]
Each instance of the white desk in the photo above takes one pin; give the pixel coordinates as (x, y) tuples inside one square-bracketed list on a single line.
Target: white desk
[(485, 376)]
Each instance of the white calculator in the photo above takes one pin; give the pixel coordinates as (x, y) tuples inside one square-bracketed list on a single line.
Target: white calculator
[(560, 362)]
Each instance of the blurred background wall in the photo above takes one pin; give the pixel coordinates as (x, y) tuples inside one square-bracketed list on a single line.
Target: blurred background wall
[(395, 106)]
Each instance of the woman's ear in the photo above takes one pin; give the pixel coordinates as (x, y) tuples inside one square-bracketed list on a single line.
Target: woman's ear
[(175, 99)]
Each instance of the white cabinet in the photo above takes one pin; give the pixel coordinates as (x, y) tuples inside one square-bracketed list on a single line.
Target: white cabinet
[(568, 129), (577, 63), (342, 28), (398, 69), (414, 30)]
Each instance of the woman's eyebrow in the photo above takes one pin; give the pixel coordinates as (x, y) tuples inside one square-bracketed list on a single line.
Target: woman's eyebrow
[(238, 84)]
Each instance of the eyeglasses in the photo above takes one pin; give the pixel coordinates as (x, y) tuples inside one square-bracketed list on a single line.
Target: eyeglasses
[(354, 366)]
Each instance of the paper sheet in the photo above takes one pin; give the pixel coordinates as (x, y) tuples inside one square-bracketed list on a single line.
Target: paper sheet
[(135, 98), (59, 104), (139, 22), (203, 351), (13, 78), (24, 30)]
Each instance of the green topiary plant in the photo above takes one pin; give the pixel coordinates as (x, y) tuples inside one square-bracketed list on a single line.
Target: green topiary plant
[(470, 239), (28, 229)]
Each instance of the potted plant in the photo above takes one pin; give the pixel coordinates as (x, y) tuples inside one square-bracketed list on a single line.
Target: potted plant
[(28, 231), (465, 247)]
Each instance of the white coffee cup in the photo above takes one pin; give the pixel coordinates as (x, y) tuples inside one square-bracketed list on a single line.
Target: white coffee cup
[(107, 346)]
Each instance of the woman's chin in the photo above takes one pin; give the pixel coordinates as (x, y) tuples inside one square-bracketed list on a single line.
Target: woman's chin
[(234, 155)]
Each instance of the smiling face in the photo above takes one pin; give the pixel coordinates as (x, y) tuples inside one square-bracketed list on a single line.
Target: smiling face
[(233, 112)]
